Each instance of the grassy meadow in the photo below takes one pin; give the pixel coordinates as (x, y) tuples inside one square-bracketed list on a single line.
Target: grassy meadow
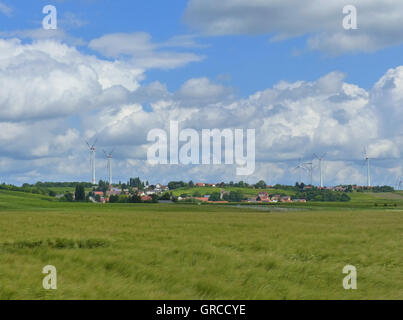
[(179, 251)]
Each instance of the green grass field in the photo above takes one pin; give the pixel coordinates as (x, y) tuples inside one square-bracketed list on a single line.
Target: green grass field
[(178, 251), (249, 192)]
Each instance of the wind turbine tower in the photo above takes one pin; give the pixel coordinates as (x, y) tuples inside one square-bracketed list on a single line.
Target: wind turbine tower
[(320, 167), (92, 160), (299, 167), (109, 165), (368, 160), (310, 171), (398, 185)]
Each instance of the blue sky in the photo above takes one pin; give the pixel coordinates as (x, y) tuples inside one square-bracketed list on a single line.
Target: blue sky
[(252, 62), (266, 57)]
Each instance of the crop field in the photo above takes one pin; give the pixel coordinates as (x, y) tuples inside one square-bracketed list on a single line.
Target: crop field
[(186, 251)]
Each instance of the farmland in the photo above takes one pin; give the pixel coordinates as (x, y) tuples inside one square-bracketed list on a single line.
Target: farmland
[(186, 251)]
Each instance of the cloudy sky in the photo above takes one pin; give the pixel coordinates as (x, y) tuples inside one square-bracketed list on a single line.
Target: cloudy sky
[(114, 70)]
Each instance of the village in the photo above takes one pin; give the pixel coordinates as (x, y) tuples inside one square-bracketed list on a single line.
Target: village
[(137, 191), (163, 193)]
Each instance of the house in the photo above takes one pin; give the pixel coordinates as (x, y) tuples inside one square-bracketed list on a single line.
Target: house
[(285, 199), (98, 193), (218, 202), (203, 199), (339, 188), (300, 200), (200, 184), (114, 192), (264, 196), (275, 198)]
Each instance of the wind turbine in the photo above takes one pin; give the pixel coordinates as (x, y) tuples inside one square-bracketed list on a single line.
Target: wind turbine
[(398, 184), (320, 167), (309, 168), (299, 167), (92, 159), (109, 166), (368, 160)]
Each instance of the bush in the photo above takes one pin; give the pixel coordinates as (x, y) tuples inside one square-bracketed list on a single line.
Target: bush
[(155, 198), (135, 199), (114, 199), (215, 196), (166, 196), (68, 196)]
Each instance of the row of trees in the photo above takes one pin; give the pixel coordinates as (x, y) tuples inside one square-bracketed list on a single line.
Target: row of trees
[(322, 195), (58, 184), (241, 184), (179, 184), (131, 199), (28, 189), (377, 189), (347, 188), (233, 196)]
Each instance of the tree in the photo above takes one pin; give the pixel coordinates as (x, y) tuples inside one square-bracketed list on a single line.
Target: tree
[(135, 199), (114, 199), (154, 198), (197, 194), (215, 196), (97, 198), (345, 198), (102, 186), (137, 183), (176, 185), (80, 192), (191, 184), (166, 196), (236, 196), (261, 185), (68, 196)]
